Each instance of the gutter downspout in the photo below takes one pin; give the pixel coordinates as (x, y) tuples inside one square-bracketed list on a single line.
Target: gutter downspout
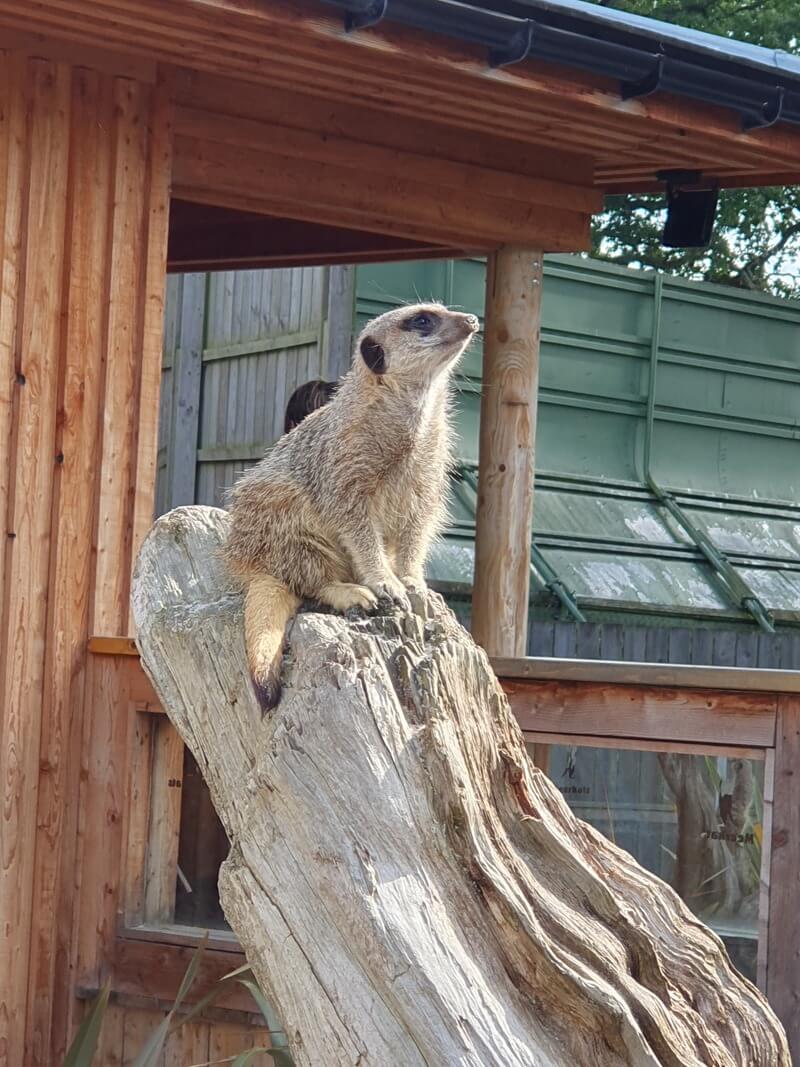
[(552, 581), (733, 583)]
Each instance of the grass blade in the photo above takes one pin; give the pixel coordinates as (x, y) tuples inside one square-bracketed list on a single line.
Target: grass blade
[(154, 1045), (191, 972), (270, 1018), (81, 1051), (244, 1058)]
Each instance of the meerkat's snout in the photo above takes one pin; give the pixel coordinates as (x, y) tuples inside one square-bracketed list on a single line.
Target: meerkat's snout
[(458, 329), (466, 324)]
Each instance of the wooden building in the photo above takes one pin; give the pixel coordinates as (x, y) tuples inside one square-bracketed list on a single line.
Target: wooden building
[(141, 135)]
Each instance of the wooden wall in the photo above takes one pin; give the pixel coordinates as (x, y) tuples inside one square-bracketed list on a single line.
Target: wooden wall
[(84, 172), (127, 1029)]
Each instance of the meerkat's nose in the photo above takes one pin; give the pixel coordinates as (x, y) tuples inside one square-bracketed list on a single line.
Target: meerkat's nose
[(473, 322)]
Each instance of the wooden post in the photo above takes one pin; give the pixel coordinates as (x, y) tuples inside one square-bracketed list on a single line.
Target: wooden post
[(783, 944), (507, 438), (341, 308)]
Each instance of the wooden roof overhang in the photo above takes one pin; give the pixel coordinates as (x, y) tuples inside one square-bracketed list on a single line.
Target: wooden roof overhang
[(387, 142)]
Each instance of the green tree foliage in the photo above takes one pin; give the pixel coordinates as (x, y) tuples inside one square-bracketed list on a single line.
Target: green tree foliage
[(756, 243)]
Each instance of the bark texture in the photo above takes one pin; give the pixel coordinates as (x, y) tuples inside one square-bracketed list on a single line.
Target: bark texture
[(407, 887)]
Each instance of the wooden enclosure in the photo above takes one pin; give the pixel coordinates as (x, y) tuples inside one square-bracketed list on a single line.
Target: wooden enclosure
[(247, 123)]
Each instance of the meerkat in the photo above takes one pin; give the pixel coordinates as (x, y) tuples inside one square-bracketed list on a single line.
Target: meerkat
[(343, 509), (305, 399)]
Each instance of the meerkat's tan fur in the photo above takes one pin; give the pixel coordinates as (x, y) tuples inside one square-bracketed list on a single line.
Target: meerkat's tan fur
[(344, 507)]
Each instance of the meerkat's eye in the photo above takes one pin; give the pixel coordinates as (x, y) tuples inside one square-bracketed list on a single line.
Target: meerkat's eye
[(423, 323)]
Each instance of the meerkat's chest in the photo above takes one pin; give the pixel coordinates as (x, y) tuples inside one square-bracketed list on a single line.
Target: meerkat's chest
[(409, 484)]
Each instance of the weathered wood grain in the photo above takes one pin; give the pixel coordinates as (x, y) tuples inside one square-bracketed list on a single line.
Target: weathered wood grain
[(406, 886)]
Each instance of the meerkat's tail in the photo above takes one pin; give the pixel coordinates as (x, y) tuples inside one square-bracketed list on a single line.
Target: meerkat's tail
[(268, 606)]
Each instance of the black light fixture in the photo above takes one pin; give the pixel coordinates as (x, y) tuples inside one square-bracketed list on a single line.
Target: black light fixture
[(691, 208)]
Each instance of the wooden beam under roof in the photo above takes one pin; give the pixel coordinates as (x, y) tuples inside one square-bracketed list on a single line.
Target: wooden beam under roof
[(302, 47), (204, 237)]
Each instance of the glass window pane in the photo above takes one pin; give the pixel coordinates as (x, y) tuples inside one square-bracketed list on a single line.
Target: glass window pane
[(203, 846), (694, 820)]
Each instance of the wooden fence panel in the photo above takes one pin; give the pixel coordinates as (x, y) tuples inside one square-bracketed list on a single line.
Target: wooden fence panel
[(237, 344)]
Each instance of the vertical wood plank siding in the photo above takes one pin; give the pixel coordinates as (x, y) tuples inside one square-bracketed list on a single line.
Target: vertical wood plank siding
[(84, 177)]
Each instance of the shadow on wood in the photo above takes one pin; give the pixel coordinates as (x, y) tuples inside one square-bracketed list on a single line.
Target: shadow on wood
[(407, 887)]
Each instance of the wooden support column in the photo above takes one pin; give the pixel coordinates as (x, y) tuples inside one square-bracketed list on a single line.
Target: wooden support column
[(507, 439), (84, 180), (783, 942)]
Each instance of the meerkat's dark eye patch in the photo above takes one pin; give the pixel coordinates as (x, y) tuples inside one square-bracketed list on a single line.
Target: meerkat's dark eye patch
[(423, 323), (373, 355)]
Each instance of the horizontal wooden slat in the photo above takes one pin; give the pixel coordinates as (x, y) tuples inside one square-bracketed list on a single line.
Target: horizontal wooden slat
[(433, 133), (624, 672), (263, 344), (336, 195), (358, 154), (113, 646), (649, 713), (638, 744), (150, 969)]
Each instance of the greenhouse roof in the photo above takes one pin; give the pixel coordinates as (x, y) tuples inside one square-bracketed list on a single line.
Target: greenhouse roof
[(610, 548)]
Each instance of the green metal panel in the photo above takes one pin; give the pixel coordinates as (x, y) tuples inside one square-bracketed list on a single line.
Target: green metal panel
[(725, 437)]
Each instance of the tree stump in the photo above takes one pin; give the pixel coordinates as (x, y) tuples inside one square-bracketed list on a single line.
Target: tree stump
[(407, 887)]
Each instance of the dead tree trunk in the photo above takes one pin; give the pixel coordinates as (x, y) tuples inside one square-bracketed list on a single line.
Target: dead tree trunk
[(407, 887)]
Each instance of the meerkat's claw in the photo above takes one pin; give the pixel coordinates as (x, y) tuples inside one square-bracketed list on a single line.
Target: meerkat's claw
[(392, 589), (342, 596)]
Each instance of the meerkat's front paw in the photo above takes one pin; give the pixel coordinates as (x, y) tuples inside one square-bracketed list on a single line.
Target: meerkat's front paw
[(342, 596), (393, 589), (415, 583)]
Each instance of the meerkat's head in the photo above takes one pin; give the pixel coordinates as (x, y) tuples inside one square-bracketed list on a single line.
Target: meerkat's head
[(414, 344)]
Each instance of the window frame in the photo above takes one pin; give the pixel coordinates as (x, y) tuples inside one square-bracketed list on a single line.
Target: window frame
[(694, 710)]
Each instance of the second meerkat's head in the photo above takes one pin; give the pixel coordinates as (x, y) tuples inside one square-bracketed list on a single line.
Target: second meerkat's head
[(414, 344)]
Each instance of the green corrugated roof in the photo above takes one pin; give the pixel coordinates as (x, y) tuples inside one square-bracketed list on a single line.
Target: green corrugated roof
[(725, 436)]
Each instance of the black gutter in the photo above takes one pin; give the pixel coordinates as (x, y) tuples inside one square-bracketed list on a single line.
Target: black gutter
[(641, 65)]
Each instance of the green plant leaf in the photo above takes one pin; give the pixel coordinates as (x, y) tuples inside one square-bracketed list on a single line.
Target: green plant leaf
[(281, 1056), (154, 1045), (244, 1058), (191, 972), (270, 1018), (81, 1051), (208, 1000), (713, 773), (244, 969)]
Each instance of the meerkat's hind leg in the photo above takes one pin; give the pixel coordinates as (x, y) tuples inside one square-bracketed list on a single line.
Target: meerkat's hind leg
[(268, 606), (342, 596)]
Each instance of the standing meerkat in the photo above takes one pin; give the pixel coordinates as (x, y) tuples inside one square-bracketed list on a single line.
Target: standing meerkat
[(344, 508)]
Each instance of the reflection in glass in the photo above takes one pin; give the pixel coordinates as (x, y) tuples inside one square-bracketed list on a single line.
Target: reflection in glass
[(695, 821), (203, 847)]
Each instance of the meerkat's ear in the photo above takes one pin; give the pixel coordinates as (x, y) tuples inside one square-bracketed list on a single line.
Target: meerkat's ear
[(373, 355)]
